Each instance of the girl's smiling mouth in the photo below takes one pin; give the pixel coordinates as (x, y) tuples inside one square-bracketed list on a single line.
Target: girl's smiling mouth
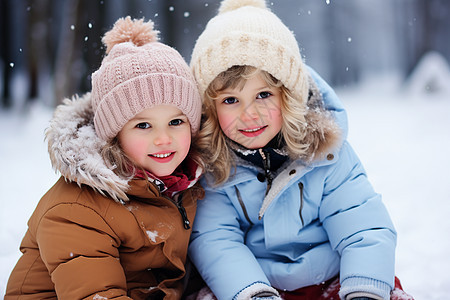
[(162, 157), (252, 132)]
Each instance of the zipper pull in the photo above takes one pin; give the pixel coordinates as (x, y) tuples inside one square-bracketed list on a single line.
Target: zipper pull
[(182, 210), (177, 200), (266, 161)]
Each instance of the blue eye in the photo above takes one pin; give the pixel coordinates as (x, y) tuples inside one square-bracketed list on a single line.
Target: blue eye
[(176, 122), (263, 95), (143, 125), (230, 100)]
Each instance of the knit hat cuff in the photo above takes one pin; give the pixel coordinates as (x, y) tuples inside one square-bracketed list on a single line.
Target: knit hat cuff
[(258, 50), (160, 88)]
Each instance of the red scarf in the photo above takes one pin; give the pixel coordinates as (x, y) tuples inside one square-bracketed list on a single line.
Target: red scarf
[(185, 176)]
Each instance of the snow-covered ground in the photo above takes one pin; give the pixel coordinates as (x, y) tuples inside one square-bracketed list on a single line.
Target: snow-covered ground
[(403, 141)]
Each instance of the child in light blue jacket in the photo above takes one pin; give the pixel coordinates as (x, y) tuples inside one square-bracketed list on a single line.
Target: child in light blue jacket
[(288, 212)]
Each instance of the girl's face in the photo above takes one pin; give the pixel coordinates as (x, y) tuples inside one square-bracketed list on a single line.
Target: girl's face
[(157, 139), (250, 116)]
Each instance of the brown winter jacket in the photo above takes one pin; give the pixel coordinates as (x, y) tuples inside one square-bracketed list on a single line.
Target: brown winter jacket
[(81, 244)]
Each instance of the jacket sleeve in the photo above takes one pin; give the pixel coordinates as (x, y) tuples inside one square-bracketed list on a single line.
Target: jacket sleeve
[(81, 253), (359, 227), (218, 251)]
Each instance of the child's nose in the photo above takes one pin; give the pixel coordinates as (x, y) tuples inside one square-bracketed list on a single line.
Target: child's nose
[(162, 137), (250, 112)]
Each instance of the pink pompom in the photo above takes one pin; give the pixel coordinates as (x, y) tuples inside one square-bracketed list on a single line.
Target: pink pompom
[(135, 31)]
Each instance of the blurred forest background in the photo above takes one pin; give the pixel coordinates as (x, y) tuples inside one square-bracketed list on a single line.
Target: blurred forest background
[(49, 48)]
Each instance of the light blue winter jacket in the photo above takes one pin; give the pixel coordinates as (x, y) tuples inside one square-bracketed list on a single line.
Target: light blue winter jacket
[(317, 221)]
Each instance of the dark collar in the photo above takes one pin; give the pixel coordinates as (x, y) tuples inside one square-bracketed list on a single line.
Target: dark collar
[(271, 156)]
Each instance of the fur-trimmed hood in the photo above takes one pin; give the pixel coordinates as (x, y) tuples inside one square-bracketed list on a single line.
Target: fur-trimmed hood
[(74, 149), (323, 130), (326, 120)]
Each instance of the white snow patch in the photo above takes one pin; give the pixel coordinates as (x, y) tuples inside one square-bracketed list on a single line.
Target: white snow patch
[(152, 235)]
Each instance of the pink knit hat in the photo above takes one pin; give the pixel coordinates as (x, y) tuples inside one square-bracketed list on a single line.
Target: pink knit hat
[(137, 73)]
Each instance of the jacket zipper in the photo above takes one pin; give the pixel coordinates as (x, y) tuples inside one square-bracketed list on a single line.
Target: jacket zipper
[(241, 202), (300, 185), (181, 209), (266, 162)]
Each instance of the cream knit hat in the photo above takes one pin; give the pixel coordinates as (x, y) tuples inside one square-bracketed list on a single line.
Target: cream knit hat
[(246, 32), (137, 73)]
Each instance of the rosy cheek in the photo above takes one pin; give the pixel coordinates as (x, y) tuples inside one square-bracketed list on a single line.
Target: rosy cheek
[(185, 142), (226, 122), (134, 148)]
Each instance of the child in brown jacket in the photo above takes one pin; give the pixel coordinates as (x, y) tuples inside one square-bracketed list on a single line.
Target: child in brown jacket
[(117, 223)]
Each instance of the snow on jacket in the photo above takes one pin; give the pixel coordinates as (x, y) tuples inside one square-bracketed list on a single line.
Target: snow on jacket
[(81, 244), (317, 221)]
